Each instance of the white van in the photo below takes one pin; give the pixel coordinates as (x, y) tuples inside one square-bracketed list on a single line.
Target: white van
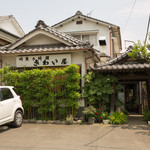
[(11, 110)]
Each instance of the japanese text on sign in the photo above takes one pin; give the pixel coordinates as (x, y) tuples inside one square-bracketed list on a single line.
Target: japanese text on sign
[(43, 60)]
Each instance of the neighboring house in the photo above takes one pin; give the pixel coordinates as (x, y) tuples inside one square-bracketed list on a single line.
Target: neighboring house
[(104, 36), (10, 30), (46, 46), (7, 37)]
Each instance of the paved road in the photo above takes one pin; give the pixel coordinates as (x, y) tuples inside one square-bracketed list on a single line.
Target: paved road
[(75, 137)]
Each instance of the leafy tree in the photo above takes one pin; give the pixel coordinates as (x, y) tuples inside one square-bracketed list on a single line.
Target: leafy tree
[(98, 88), (72, 88), (140, 51)]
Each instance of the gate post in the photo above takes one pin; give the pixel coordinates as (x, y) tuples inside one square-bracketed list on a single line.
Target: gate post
[(148, 92)]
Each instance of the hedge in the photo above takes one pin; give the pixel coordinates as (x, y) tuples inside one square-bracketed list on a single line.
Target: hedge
[(46, 94)]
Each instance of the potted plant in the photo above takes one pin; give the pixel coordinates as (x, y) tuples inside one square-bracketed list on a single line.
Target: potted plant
[(69, 119), (147, 116), (90, 112), (105, 117)]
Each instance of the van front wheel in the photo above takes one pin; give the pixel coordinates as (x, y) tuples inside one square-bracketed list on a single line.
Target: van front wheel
[(18, 119)]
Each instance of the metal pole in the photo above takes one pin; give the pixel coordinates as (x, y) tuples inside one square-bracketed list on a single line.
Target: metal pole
[(147, 29)]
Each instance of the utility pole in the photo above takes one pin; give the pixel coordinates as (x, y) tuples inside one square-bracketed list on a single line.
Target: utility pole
[(147, 29)]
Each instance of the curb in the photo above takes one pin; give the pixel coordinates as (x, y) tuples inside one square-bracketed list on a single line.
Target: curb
[(51, 122)]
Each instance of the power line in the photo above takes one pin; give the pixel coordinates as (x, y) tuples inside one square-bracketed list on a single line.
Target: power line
[(129, 15)]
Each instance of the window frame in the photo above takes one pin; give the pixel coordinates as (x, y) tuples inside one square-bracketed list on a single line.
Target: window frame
[(2, 96), (81, 37)]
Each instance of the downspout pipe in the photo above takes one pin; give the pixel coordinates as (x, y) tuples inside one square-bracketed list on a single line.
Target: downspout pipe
[(110, 32), (1, 68), (1, 64)]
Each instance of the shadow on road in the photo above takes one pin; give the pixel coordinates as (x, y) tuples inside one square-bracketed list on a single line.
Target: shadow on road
[(143, 130), (4, 129), (137, 122)]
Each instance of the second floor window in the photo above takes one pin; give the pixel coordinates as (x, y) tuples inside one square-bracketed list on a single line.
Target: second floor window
[(92, 38)]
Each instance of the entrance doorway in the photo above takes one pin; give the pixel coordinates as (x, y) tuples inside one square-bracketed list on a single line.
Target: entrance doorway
[(132, 100)]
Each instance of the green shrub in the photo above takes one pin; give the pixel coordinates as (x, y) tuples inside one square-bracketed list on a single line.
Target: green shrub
[(145, 110), (98, 88), (69, 119), (147, 115), (44, 91), (89, 111), (118, 118)]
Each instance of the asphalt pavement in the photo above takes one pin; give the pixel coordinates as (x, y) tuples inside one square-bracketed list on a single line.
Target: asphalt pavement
[(75, 137)]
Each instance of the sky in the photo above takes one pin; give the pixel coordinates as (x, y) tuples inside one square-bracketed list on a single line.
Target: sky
[(133, 25)]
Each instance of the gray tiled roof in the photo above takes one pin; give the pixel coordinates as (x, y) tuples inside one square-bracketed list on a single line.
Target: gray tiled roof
[(122, 67), (3, 48), (66, 37), (42, 26), (113, 65), (117, 59), (43, 48)]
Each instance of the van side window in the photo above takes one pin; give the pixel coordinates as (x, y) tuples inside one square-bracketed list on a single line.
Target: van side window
[(6, 93)]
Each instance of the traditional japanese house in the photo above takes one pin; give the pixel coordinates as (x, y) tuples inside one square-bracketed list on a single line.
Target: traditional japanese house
[(134, 76), (48, 47)]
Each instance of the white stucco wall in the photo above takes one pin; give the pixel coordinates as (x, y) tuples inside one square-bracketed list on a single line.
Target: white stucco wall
[(41, 40), (72, 26), (8, 60), (78, 59), (34, 38), (89, 27)]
